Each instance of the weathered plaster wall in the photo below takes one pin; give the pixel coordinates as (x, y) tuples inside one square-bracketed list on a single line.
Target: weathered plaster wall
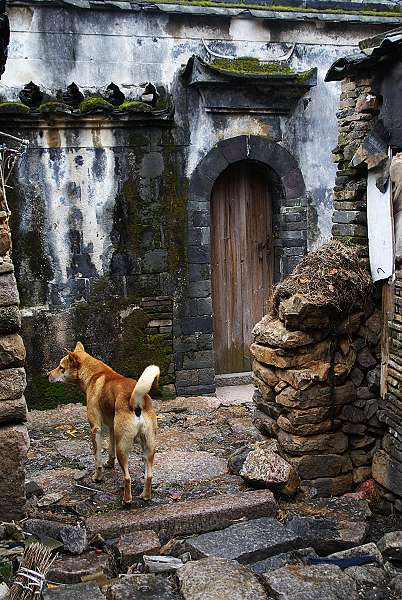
[(100, 211)]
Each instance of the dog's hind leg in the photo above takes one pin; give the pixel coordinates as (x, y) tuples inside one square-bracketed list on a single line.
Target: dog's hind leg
[(112, 449), (122, 448), (96, 433), (148, 445)]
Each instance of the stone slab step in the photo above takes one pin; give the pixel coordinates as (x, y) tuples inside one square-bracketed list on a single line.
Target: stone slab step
[(323, 582), (185, 518), (218, 579), (80, 591), (245, 542)]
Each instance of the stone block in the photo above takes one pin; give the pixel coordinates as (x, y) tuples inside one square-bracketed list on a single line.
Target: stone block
[(71, 569), (73, 537), (266, 374), (13, 411), (12, 350), (132, 546), (314, 582), (245, 542), (142, 587), (330, 524), (322, 465), (185, 518), (263, 467), (218, 579), (272, 332), (10, 319), (12, 383), (80, 591), (297, 313), (293, 557), (390, 545), (317, 395), (331, 443), (281, 359), (365, 550), (14, 444), (327, 487), (8, 290)]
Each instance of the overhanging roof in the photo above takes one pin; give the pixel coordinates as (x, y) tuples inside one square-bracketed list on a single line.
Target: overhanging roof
[(374, 52)]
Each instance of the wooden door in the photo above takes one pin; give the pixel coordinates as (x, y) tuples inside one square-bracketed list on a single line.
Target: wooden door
[(241, 260)]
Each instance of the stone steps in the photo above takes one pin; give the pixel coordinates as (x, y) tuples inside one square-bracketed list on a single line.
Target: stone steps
[(185, 518)]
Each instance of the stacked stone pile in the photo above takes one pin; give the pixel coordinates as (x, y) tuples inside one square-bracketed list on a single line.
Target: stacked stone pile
[(318, 391), (13, 432)]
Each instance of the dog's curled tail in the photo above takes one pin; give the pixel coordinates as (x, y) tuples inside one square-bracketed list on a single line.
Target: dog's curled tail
[(142, 387)]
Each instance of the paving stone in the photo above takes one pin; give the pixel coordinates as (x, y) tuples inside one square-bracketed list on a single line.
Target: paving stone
[(390, 545), (245, 542), (330, 525), (281, 560), (132, 546), (218, 579), (80, 591), (192, 516), (71, 569), (367, 575), (181, 467), (299, 582), (142, 587)]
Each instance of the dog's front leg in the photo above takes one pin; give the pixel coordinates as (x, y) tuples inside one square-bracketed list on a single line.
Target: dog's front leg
[(96, 433)]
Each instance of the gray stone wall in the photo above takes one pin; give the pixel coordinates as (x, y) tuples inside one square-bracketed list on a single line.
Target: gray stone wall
[(14, 441)]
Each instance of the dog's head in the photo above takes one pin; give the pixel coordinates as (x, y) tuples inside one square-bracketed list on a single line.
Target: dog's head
[(67, 370)]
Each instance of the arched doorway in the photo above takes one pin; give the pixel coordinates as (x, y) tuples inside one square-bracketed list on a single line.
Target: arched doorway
[(241, 260)]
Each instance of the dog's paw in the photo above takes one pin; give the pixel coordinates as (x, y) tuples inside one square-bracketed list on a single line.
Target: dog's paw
[(97, 477), (146, 497), (126, 503), (109, 464)]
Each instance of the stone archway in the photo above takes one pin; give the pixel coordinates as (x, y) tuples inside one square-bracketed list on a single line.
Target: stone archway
[(194, 356)]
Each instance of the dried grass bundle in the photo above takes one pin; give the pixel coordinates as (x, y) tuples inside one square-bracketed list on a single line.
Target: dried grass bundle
[(333, 276), (31, 575)]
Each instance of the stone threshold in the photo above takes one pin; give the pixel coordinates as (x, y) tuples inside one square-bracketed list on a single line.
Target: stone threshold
[(234, 379)]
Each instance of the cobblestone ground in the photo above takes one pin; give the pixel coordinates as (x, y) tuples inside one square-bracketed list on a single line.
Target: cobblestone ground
[(196, 436)]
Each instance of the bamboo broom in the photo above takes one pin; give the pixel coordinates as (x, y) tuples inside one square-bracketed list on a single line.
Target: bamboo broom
[(31, 575)]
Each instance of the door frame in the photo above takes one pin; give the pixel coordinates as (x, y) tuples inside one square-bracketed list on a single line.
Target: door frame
[(193, 331)]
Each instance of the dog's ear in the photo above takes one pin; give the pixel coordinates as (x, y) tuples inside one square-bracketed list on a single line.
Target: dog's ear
[(74, 360), (79, 347)]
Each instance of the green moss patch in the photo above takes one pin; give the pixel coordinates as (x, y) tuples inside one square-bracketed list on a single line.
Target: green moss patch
[(135, 106), (42, 395), (6, 107), (250, 65), (54, 106), (95, 103)]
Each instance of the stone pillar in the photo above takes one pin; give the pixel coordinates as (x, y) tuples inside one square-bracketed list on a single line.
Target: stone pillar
[(317, 392), (14, 440)]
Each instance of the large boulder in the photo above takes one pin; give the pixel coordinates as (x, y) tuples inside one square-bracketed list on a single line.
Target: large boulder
[(264, 467)]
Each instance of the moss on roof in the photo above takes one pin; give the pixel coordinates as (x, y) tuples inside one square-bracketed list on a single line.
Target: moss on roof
[(247, 64)]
